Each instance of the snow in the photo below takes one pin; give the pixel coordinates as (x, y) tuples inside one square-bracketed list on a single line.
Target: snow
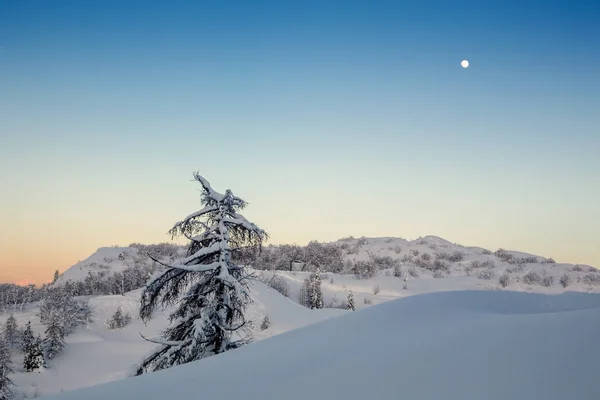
[(104, 259), (446, 345), (95, 355)]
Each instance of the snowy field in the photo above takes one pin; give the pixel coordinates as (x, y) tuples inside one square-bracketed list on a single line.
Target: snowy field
[(500, 340), (452, 345)]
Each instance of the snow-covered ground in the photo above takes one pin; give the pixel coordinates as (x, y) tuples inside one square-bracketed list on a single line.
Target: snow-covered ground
[(96, 355), (449, 345)]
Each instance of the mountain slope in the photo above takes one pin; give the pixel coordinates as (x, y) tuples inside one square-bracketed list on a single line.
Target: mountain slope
[(452, 345)]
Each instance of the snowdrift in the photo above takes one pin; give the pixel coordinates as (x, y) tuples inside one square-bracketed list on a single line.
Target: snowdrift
[(447, 345)]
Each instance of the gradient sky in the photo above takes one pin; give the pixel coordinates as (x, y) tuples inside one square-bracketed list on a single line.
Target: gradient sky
[(331, 118)]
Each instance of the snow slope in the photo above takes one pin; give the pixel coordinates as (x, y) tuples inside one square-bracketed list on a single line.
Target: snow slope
[(450, 345), (105, 259), (95, 355)]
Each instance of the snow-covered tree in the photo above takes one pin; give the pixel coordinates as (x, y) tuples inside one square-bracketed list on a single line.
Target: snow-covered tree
[(27, 337), (210, 290), (60, 303), (56, 276), (11, 332), (266, 323), (6, 392), (350, 302), (316, 293), (118, 320), (34, 355), (54, 341)]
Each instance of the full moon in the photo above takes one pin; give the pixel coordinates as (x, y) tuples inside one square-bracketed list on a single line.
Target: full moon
[(464, 63)]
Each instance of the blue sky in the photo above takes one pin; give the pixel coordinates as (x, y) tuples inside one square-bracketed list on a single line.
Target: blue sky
[(330, 118)]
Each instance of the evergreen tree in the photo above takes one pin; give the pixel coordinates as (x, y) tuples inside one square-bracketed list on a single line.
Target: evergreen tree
[(6, 384), (266, 323), (316, 295), (27, 338), (210, 290), (34, 356), (56, 276), (54, 341), (118, 320), (11, 332), (350, 304)]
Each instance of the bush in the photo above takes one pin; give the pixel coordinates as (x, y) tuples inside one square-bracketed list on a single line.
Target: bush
[(118, 320), (531, 278), (591, 279), (456, 256), (364, 270), (547, 281), (412, 271), (504, 280), (529, 260), (505, 256), (383, 262), (266, 323), (280, 284), (441, 265), (425, 264), (398, 272), (485, 274), (438, 274), (565, 280), (376, 290), (367, 301)]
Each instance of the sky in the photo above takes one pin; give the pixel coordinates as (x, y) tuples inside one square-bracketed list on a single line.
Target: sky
[(331, 118)]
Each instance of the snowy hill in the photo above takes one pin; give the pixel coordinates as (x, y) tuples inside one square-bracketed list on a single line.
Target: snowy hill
[(452, 345), (106, 259)]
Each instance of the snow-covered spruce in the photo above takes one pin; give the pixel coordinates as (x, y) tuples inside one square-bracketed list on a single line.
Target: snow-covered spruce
[(11, 332), (208, 287), (32, 349), (311, 294), (54, 342), (6, 385), (350, 301), (118, 320)]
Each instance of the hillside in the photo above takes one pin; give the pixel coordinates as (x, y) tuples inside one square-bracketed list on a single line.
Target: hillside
[(454, 345)]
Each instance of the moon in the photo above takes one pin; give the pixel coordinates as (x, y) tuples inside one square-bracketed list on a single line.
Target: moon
[(464, 63)]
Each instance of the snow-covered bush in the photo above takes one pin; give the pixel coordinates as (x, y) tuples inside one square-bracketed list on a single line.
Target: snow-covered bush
[(280, 284), (485, 274), (591, 279), (413, 272), (439, 274), (398, 272), (456, 256), (547, 281), (119, 320), (265, 324), (504, 280), (565, 280), (531, 278), (364, 269), (376, 290), (383, 262)]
